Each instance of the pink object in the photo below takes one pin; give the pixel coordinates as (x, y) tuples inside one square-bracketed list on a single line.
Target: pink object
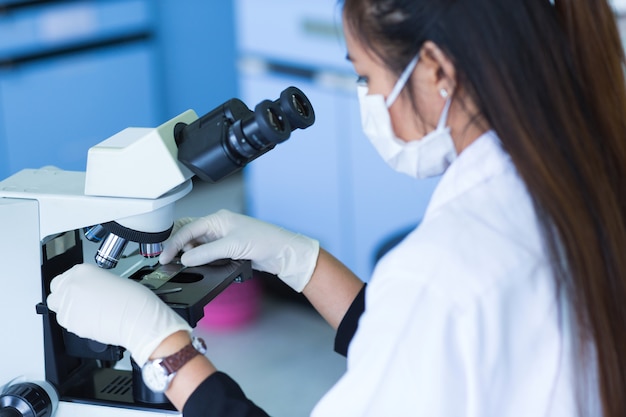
[(236, 306)]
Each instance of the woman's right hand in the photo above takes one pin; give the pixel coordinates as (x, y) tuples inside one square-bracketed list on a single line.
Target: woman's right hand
[(227, 235)]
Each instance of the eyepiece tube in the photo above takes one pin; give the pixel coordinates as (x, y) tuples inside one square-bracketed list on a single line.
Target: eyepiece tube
[(297, 108), (229, 137), (267, 126)]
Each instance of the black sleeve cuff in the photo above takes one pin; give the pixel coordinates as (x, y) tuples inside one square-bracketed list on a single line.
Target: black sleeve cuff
[(349, 323), (220, 396)]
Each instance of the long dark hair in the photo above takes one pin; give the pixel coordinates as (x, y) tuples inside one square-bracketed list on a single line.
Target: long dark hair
[(548, 77)]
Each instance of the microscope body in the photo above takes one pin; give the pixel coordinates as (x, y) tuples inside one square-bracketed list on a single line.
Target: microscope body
[(43, 216), (50, 219)]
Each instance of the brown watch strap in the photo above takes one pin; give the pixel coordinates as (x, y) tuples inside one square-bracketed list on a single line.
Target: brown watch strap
[(176, 361)]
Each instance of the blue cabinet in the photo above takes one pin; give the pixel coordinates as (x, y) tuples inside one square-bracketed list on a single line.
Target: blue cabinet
[(196, 41), (71, 75)]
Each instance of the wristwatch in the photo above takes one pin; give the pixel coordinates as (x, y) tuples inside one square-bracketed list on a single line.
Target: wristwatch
[(158, 373)]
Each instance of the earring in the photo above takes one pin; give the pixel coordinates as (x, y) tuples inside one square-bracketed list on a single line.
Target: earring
[(443, 93)]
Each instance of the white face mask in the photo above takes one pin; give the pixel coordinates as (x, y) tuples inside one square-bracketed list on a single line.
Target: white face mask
[(423, 158)]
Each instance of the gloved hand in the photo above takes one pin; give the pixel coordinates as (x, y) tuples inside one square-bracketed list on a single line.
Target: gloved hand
[(179, 223), (96, 304), (228, 235)]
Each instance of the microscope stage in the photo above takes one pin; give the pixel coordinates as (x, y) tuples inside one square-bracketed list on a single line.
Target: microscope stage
[(188, 289)]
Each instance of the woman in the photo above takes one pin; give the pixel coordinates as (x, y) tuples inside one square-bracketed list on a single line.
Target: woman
[(508, 299)]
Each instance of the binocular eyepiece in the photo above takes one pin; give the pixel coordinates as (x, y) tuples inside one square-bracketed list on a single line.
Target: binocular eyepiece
[(226, 139)]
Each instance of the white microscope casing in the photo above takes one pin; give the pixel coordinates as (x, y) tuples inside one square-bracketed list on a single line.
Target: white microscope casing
[(133, 178)]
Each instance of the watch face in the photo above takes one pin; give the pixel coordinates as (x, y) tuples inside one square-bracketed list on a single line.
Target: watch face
[(155, 376), (199, 345)]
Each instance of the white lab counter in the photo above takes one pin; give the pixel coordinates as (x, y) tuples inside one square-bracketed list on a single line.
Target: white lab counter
[(283, 360)]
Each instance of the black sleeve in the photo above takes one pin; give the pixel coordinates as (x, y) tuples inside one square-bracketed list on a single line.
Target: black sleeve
[(349, 323), (220, 396)]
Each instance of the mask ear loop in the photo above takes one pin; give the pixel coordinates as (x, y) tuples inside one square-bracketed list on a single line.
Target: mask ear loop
[(391, 98), (444, 115)]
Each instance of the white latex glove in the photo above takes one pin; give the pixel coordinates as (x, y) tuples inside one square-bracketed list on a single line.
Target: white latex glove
[(178, 223), (228, 235), (96, 304)]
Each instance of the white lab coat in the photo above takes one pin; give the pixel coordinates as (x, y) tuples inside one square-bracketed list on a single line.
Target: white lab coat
[(461, 317)]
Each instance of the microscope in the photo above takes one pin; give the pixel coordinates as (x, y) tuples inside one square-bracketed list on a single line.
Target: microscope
[(51, 220)]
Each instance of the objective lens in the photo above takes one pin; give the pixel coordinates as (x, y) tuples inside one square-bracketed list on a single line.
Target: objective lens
[(95, 233), (150, 250), (110, 251)]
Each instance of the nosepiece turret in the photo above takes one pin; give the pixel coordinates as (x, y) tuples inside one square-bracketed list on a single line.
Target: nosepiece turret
[(114, 238)]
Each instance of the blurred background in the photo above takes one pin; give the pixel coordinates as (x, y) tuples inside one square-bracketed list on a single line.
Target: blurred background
[(74, 72)]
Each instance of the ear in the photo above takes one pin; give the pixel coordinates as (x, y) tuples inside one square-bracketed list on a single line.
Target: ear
[(440, 71)]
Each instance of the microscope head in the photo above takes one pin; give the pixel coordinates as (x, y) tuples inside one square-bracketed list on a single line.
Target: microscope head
[(136, 163), (145, 163)]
